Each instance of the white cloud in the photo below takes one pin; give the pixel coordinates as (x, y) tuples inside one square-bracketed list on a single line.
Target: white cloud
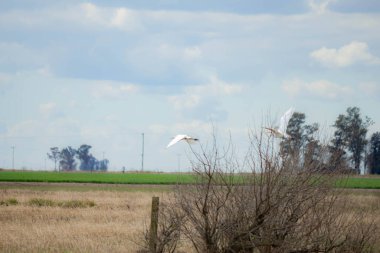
[(114, 90), (185, 101), (319, 6), (321, 88), (126, 19), (355, 52), (47, 108), (84, 15), (162, 58), (216, 87), (194, 95), (204, 102), (182, 127), (191, 53), (92, 15), (91, 10), (327, 89), (107, 17), (50, 110)]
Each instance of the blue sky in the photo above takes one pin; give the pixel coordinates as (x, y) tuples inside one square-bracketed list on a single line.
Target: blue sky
[(104, 72)]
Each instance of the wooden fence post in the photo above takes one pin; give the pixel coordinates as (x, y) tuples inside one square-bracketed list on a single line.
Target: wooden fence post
[(154, 225)]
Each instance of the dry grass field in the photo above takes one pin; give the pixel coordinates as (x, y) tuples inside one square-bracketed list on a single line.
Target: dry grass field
[(113, 224)]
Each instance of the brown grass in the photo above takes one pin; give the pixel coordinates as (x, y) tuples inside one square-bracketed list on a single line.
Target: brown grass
[(114, 224), (116, 220)]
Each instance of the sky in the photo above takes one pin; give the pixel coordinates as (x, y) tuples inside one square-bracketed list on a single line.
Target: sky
[(105, 72)]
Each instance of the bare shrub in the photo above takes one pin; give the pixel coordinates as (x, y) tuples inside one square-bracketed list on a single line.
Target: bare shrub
[(270, 202)]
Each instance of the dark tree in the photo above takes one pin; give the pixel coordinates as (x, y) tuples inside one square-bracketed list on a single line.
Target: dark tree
[(67, 157), (373, 157), (296, 131), (350, 134), (87, 161), (54, 155), (338, 158), (301, 139)]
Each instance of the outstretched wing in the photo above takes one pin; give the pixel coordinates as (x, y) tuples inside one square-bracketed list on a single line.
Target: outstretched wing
[(176, 139), (285, 120)]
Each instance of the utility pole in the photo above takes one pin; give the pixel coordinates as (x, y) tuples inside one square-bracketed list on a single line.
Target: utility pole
[(142, 153), (13, 157)]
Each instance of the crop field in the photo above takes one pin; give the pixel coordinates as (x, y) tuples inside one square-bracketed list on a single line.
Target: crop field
[(77, 217), (101, 178), (358, 182)]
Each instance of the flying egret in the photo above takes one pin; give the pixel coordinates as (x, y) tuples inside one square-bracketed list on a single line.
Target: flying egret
[(181, 137), (280, 131)]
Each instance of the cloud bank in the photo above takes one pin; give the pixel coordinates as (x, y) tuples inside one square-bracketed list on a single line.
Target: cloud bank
[(353, 53)]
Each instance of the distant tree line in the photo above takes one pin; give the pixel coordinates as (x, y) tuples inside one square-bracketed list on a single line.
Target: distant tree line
[(67, 158), (348, 148)]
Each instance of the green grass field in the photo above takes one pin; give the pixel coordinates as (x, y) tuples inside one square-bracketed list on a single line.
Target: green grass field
[(83, 177), (360, 182), (144, 178)]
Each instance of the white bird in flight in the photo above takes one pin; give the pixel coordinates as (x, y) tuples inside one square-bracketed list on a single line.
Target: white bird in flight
[(280, 131), (181, 137)]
